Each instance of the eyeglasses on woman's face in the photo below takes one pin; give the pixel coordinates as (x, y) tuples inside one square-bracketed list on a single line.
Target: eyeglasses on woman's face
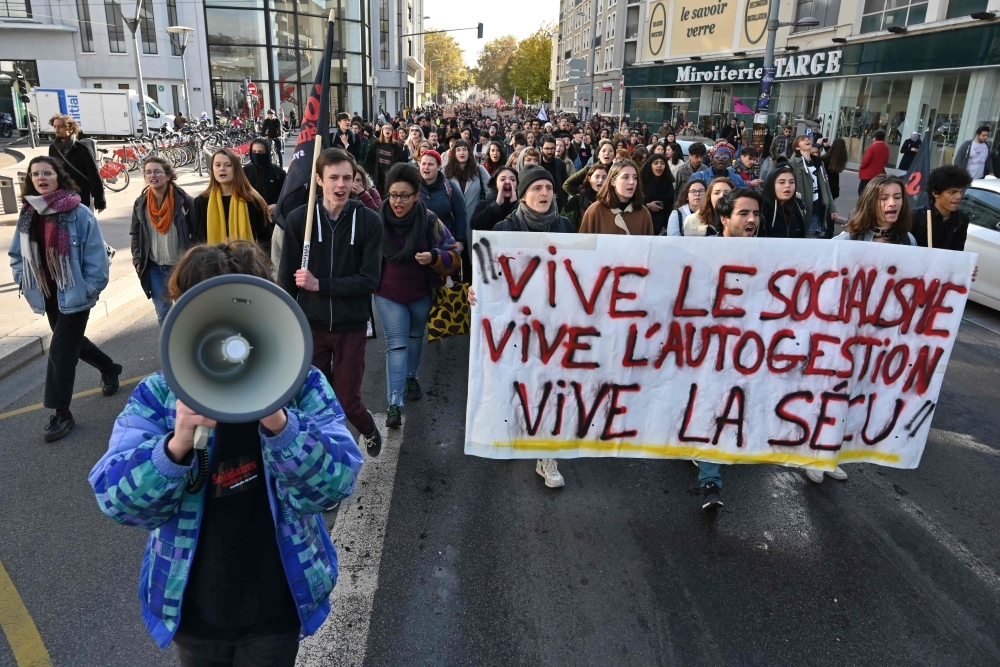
[(43, 174), (403, 197)]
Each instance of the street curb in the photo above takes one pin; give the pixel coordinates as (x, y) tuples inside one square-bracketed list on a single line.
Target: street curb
[(31, 341)]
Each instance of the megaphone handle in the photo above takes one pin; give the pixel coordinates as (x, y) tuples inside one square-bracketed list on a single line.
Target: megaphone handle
[(201, 435)]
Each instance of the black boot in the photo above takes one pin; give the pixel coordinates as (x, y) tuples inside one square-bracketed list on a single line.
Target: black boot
[(109, 380), (60, 424)]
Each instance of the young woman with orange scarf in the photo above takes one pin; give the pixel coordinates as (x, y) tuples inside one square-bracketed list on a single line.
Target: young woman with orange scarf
[(161, 231)]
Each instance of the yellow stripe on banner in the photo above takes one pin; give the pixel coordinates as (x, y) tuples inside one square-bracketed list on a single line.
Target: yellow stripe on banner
[(22, 635), (601, 448), (89, 392)]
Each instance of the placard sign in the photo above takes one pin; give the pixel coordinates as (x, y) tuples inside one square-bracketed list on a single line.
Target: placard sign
[(797, 352)]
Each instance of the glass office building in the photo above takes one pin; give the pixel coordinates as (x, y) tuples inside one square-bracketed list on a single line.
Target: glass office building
[(278, 45)]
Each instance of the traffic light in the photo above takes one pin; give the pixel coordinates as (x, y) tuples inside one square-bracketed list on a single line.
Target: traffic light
[(22, 87), (480, 31)]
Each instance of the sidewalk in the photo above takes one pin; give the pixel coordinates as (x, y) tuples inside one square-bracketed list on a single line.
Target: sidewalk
[(25, 336)]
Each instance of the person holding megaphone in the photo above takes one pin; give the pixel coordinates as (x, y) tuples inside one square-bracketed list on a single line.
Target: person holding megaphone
[(239, 564)]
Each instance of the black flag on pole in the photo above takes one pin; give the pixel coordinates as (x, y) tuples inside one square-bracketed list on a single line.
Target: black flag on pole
[(315, 120), (916, 175)]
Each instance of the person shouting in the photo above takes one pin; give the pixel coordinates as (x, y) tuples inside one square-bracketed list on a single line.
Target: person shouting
[(59, 261), (619, 208), (335, 290), (229, 208), (418, 251), (783, 214)]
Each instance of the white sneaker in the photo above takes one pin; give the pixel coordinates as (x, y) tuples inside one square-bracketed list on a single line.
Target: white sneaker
[(371, 330), (838, 473), (815, 476), (547, 468)]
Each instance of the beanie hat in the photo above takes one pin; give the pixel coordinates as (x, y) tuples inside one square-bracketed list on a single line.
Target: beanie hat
[(433, 154), (529, 175)]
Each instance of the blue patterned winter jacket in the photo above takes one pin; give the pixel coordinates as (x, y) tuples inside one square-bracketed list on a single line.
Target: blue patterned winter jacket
[(309, 467)]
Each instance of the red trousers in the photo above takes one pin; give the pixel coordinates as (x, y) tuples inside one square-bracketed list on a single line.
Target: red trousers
[(341, 358)]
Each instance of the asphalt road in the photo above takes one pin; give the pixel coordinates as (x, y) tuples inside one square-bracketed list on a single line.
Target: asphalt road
[(483, 565), (475, 562)]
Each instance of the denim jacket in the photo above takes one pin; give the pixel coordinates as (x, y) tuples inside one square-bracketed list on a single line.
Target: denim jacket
[(88, 259), (308, 468)]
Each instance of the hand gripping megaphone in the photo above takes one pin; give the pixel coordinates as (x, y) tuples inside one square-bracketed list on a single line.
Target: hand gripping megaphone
[(234, 348)]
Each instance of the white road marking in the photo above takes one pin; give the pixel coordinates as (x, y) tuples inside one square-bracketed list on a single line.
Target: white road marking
[(963, 440), (358, 534), (966, 557)]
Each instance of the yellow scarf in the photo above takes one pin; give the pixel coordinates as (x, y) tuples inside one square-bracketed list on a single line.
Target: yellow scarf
[(238, 223)]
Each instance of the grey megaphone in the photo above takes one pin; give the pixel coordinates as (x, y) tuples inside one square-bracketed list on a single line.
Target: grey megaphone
[(235, 348)]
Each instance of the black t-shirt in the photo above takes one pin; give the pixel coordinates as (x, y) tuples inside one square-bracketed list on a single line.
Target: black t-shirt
[(237, 586)]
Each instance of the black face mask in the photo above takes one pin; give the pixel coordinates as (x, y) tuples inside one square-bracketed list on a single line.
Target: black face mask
[(260, 160)]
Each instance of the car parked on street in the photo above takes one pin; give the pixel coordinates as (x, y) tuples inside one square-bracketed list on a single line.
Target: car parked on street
[(982, 204)]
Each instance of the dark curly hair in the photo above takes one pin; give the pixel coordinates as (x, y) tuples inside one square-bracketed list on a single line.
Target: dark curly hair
[(947, 177)]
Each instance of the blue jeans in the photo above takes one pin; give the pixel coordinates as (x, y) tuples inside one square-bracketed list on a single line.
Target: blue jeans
[(158, 277), (709, 472), (403, 325), (815, 227)]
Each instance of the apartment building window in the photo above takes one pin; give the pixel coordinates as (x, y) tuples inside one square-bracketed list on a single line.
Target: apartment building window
[(884, 14), (586, 38), (383, 34), (147, 28), (175, 44), (609, 57), (826, 11), (116, 26), (15, 9), (152, 92), (86, 33), (611, 25), (960, 8)]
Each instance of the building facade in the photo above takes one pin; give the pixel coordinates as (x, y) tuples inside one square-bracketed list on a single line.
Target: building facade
[(606, 34), (85, 44), (869, 65)]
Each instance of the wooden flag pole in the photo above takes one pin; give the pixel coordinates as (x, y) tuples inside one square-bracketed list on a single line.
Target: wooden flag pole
[(930, 236), (311, 203)]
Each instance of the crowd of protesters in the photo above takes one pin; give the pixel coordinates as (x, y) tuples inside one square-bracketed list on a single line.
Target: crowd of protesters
[(396, 204)]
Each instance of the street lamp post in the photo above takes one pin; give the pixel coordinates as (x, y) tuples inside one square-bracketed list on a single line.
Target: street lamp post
[(133, 26), (430, 71), (183, 33), (767, 76)]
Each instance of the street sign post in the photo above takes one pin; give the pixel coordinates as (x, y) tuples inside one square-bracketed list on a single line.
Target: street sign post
[(252, 88)]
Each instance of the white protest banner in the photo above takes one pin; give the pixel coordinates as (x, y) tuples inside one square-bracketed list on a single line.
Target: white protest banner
[(796, 352)]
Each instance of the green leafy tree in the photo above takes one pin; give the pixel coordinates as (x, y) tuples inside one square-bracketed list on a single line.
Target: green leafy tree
[(492, 64), (528, 69), (444, 63)]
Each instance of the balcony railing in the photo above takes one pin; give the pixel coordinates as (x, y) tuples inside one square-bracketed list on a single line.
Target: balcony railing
[(631, 31)]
